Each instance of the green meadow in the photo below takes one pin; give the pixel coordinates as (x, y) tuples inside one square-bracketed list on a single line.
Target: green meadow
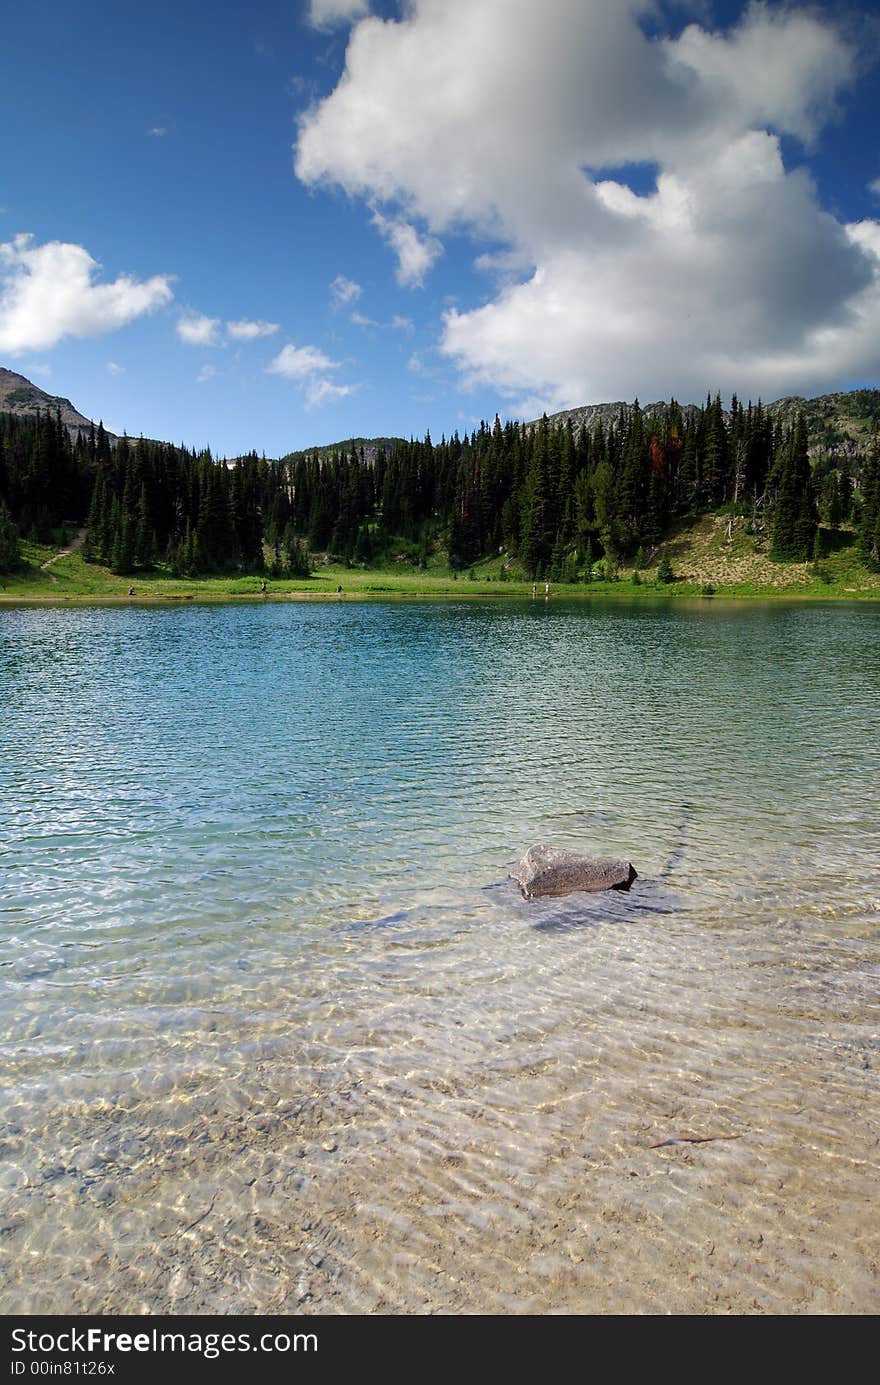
[(709, 558)]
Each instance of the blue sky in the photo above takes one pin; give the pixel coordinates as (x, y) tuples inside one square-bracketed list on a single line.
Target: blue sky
[(290, 223)]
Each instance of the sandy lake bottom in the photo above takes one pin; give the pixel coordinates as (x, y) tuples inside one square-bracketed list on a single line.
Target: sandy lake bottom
[(278, 1036)]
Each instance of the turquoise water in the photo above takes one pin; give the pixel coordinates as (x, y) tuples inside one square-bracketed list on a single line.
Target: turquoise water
[(257, 854)]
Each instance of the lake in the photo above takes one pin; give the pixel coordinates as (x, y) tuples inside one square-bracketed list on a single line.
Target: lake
[(279, 1035)]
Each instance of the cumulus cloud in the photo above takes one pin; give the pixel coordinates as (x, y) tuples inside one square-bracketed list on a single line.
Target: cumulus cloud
[(309, 367), (344, 290), (520, 124), (206, 373), (115, 369), (326, 14), (299, 362), (249, 331), (47, 292), (321, 391), (415, 253), (198, 330), (874, 187)]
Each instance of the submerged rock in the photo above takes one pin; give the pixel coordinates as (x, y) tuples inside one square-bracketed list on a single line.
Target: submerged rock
[(545, 870)]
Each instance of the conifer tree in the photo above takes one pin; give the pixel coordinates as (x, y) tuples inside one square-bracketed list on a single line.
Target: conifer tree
[(363, 549), (144, 537), (604, 500), (830, 507), (10, 550), (92, 543), (794, 515), (869, 521), (122, 550)]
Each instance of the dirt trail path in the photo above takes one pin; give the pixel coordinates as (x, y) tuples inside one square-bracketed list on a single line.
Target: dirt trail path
[(71, 548)]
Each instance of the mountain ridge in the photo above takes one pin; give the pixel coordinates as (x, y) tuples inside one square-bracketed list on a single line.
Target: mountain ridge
[(21, 397), (832, 419), (840, 420)]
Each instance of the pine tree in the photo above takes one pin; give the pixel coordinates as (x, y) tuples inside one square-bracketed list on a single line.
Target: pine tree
[(122, 551), (556, 567), (632, 484), (664, 571), (363, 549), (10, 551), (144, 538), (830, 507), (794, 514), (869, 520), (604, 501), (716, 465), (91, 549), (536, 537)]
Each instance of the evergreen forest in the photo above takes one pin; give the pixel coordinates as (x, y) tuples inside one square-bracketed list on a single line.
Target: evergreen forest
[(554, 497)]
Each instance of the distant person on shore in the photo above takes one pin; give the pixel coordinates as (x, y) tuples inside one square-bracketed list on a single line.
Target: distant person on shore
[(534, 591), (339, 590), (263, 586), (131, 591), (546, 591)]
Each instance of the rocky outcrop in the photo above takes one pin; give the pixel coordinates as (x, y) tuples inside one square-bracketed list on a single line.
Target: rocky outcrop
[(545, 870)]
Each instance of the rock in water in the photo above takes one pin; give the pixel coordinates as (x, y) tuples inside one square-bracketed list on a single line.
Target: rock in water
[(544, 870)]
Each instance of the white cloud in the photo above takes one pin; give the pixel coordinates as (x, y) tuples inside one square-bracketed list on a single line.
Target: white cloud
[(249, 331), (198, 330), (345, 290), (415, 253), (206, 373), (517, 122), (41, 368), (875, 187), (310, 367), (504, 263), (321, 391), (397, 324), (775, 69), (115, 369), (325, 14), (157, 131), (299, 362), (47, 292)]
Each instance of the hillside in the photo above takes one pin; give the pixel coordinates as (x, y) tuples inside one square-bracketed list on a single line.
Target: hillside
[(370, 446), (21, 397), (837, 424)]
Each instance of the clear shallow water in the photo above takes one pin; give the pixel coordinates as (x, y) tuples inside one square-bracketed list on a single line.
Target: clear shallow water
[(254, 903)]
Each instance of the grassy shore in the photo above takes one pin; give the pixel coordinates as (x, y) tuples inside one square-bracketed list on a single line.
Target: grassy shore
[(710, 557)]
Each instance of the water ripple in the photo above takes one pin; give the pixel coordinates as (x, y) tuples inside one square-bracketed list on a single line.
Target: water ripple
[(261, 960)]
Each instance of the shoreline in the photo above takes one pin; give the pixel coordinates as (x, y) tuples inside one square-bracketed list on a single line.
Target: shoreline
[(13, 600), (707, 565)]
